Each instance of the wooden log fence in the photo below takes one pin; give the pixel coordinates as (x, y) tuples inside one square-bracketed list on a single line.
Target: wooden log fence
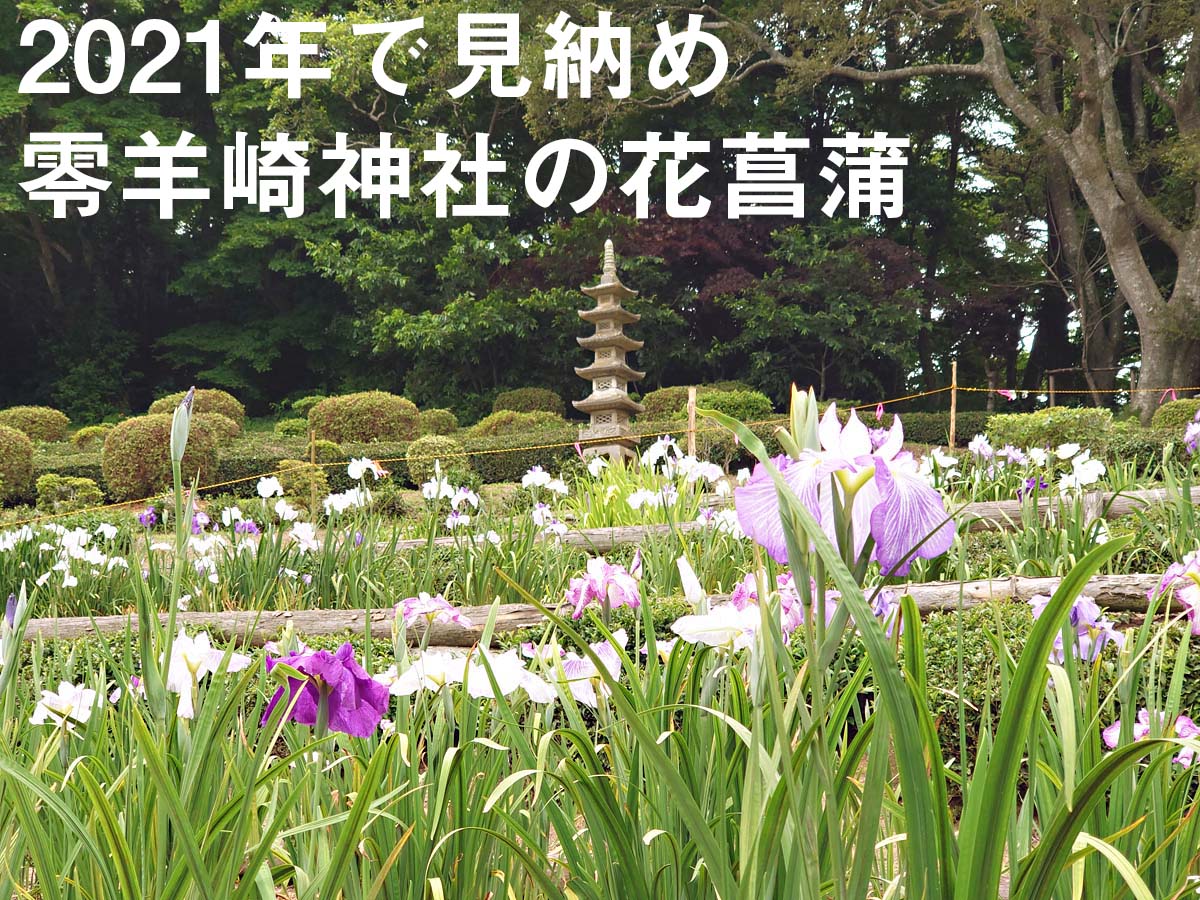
[(1120, 592), (1117, 592)]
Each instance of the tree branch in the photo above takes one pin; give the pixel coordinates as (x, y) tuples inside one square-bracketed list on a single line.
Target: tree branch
[(970, 70), (1122, 173)]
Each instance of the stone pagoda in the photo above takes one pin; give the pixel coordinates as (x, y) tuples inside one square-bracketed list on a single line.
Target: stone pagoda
[(609, 405)]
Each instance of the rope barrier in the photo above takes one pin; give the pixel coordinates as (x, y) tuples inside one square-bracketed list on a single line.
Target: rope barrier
[(1058, 390), (581, 443)]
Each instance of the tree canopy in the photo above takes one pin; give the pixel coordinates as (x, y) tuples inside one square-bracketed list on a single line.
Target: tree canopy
[(1049, 219)]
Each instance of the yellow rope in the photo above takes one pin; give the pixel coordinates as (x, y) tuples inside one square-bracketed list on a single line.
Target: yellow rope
[(1168, 390)]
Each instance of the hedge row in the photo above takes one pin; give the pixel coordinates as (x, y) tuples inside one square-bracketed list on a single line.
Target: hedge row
[(489, 456)]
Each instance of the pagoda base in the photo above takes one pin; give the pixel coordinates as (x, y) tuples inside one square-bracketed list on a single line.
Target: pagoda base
[(619, 445)]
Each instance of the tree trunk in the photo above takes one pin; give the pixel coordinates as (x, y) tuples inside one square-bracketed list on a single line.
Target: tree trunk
[(1170, 359)]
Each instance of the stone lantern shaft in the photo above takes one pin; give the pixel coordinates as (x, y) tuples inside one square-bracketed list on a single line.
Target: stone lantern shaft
[(609, 406)]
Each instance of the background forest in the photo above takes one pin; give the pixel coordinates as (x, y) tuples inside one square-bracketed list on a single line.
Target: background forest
[(1001, 259)]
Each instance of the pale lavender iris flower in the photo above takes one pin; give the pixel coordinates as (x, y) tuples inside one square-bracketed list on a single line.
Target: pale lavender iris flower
[(893, 504), (602, 581)]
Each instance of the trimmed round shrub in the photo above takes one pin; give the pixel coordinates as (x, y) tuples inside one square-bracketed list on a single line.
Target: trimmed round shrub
[(207, 400), (292, 427), (64, 493), (304, 405), (16, 464), (745, 406), (670, 402), (90, 437), (437, 421), (39, 423), (665, 403), (136, 460), (222, 427), (301, 479), (326, 451), (424, 452), (1172, 414), (530, 399), (364, 418), (509, 421)]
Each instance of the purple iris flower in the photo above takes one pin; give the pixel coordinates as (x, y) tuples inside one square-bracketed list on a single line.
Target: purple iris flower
[(246, 526), (1032, 485), (10, 611), (148, 517), (893, 504), (200, 521), (354, 702), (358, 538), (1191, 435)]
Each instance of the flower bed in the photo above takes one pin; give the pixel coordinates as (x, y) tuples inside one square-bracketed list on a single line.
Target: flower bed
[(699, 712)]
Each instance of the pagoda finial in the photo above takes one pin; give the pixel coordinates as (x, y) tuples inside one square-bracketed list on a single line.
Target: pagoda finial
[(610, 264)]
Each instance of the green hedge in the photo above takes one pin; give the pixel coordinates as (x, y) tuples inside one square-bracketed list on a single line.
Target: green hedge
[(934, 427), (292, 427), (302, 406), (224, 429), (91, 436), (1087, 426), (64, 493), (252, 455), (1146, 446), (745, 406), (52, 461), (494, 467)]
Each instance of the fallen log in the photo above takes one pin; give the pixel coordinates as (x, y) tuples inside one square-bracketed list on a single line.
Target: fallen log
[(1117, 592), (1005, 515), (256, 628)]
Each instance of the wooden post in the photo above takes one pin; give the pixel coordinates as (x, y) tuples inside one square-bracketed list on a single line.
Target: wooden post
[(691, 432), (953, 403), (312, 458), (1051, 377)]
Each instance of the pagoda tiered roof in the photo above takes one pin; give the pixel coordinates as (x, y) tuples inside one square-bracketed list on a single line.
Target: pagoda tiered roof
[(607, 401), (617, 314), (606, 368), (617, 339)]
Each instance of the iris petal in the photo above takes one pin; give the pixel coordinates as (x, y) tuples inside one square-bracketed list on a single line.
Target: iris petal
[(908, 510)]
